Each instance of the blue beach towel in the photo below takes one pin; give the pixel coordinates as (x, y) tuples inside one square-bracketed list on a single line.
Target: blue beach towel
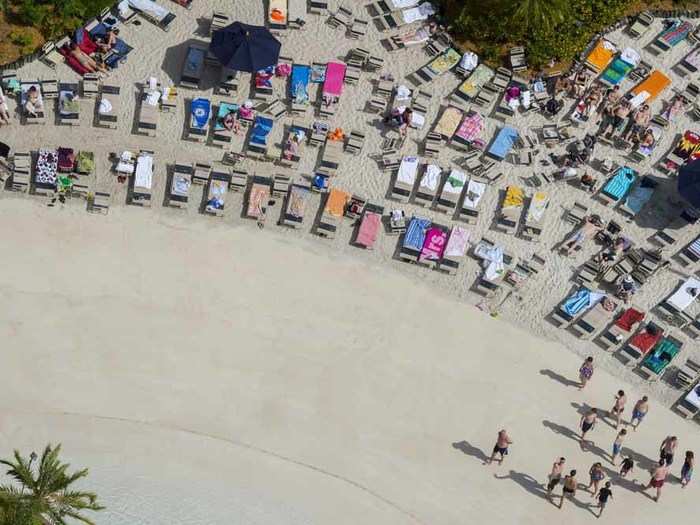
[(618, 186), (261, 129), (638, 197), (415, 233), (504, 142), (577, 302), (299, 83), (200, 111), (617, 71)]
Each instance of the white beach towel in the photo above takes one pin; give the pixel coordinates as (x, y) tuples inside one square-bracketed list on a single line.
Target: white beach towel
[(455, 182), (403, 93), (105, 106), (149, 6), (630, 56), (475, 190), (143, 177), (402, 4), (407, 170), (609, 45), (469, 61), (457, 243), (683, 298), (417, 120), (416, 14), (431, 177)]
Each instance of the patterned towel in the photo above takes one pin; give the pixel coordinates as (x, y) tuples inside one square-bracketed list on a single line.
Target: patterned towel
[(618, 186)]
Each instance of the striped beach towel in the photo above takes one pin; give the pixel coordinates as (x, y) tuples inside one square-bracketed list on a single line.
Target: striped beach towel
[(618, 186), (415, 233)]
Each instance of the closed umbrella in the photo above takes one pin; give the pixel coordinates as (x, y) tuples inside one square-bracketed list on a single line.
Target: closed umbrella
[(242, 47), (689, 182)]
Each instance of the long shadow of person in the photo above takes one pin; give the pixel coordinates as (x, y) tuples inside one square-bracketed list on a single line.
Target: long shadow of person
[(583, 408), (558, 377), (527, 482), (567, 432), (471, 450), (625, 483), (641, 462)]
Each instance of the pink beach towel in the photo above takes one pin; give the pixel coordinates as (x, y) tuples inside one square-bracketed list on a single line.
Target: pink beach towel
[(471, 127), (457, 244), (369, 227), (335, 75), (434, 244)]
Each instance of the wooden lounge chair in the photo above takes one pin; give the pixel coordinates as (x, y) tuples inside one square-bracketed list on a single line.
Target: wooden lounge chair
[(280, 185), (623, 327), (642, 342), (451, 191), (330, 217), (534, 219), (318, 7), (219, 20), (508, 219), (108, 111), (331, 158), (689, 256), (641, 24), (294, 208), (193, 66), (39, 115), (651, 372), (228, 82), (141, 183), (355, 143), (21, 172), (343, 16), (358, 29), (404, 179), (149, 114), (98, 202), (91, 85), (217, 190), (590, 322), (68, 107), (180, 182), (239, 180), (428, 184)]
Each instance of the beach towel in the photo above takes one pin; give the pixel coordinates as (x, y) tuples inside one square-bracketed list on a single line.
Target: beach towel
[(395, 5), (694, 247), (298, 198), (457, 243), (224, 109), (504, 142), (66, 159), (337, 199), (675, 33), (143, 176), (407, 170), (480, 76), (180, 185), (469, 61), (692, 60), (686, 294), (194, 61), (449, 121), (259, 195), (67, 103), (299, 83), (85, 163), (538, 205), (661, 356), (601, 55), (434, 244), (454, 183), (46, 167), (638, 197), (369, 228), (25, 87), (263, 77), (620, 67), (200, 110), (156, 11), (620, 183), (471, 127), (431, 178), (492, 260), (693, 397), (416, 14), (514, 197), (577, 302), (688, 147), (654, 84), (318, 73), (277, 12), (645, 340), (415, 233), (261, 129), (335, 74), (444, 62), (216, 198), (629, 319), (475, 190), (646, 151)]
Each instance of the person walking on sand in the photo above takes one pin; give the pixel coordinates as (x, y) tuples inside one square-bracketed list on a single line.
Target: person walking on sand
[(640, 410), (603, 496), (597, 474), (617, 444), (658, 478), (501, 447), (667, 449), (687, 468), (588, 421), (555, 475), (569, 488), (585, 373), (627, 466), (618, 407)]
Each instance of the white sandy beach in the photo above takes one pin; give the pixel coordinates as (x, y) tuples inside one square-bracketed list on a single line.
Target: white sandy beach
[(209, 372)]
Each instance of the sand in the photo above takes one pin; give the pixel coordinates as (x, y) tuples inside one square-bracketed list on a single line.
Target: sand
[(204, 369)]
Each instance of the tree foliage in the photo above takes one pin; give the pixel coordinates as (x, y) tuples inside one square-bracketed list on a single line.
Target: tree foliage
[(54, 18)]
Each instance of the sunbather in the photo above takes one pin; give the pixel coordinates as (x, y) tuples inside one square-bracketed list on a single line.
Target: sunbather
[(4, 112), (34, 103), (644, 140), (619, 247), (592, 100), (638, 123), (86, 61), (231, 122), (291, 148), (589, 182), (675, 108), (422, 33), (591, 226), (616, 121), (610, 102), (106, 43)]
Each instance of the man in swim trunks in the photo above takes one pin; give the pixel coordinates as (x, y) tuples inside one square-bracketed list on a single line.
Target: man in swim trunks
[(667, 449), (501, 447), (555, 475), (617, 444), (569, 489), (587, 423), (618, 407), (639, 411), (658, 477), (590, 227), (603, 495)]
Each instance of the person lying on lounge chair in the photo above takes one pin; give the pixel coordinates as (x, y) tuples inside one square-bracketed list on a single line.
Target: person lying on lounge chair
[(33, 103), (591, 226), (106, 42), (589, 182), (422, 33), (86, 61), (231, 122), (638, 123), (614, 252), (674, 109), (644, 140), (291, 148), (4, 112)]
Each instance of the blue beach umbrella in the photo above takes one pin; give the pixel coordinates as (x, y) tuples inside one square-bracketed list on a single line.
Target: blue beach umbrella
[(689, 183), (245, 48)]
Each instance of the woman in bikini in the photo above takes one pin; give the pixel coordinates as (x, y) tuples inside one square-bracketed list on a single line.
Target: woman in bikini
[(597, 475), (86, 61)]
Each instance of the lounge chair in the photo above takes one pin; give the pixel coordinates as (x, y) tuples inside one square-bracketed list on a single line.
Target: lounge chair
[(99, 202), (277, 14), (222, 136), (193, 66), (518, 62), (219, 20), (511, 209), (257, 142), (404, 17), (228, 82), (275, 109), (202, 172), (180, 182), (640, 344), (200, 115), (687, 149), (142, 181), (690, 64), (358, 29), (109, 106), (642, 153), (624, 326), (433, 245), (649, 89), (600, 56), (638, 197), (642, 24), (440, 43), (405, 179), (149, 114), (295, 205), (410, 38), (21, 172), (438, 66), (688, 405), (294, 146), (689, 256), (413, 239), (494, 260), (620, 67), (69, 105), (455, 250), (469, 210), (343, 16), (331, 158), (217, 190), (332, 88), (532, 228), (91, 85), (318, 7), (503, 143), (452, 189), (677, 31), (262, 83), (448, 122), (469, 89), (299, 88), (428, 185), (332, 214), (575, 305), (618, 186), (468, 134), (384, 7), (368, 227), (656, 361), (239, 180), (673, 308), (153, 12), (258, 196), (39, 114), (594, 319), (45, 172), (355, 142)]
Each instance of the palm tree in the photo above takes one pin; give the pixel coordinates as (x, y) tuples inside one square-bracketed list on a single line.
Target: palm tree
[(533, 14), (42, 495)]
